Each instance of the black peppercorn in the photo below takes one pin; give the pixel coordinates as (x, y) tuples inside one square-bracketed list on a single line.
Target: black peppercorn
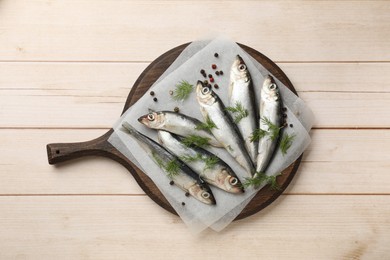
[(183, 204), (171, 182), (216, 86), (187, 194), (291, 125), (216, 55), (221, 72), (152, 93), (155, 99), (217, 73), (176, 109)]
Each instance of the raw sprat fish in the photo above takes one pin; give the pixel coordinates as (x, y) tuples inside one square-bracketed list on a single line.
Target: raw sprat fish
[(242, 104), (176, 170), (224, 131), (270, 122), (179, 124), (211, 168)]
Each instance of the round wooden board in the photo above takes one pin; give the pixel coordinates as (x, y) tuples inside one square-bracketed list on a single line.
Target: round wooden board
[(61, 152)]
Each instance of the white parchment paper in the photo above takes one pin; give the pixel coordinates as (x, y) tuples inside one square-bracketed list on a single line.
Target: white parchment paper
[(197, 56)]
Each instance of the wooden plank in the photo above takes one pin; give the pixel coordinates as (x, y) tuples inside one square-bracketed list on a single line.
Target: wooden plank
[(52, 94), (104, 227), (24, 168), (337, 161), (135, 31)]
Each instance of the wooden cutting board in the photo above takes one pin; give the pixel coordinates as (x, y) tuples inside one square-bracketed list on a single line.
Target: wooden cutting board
[(61, 152)]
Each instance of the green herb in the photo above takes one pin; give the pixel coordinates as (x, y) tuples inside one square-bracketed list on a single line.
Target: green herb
[(261, 178), (182, 91), (239, 112), (210, 162), (208, 125), (257, 135), (187, 158), (273, 183), (286, 142), (172, 168), (158, 160), (273, 130), (196, 140), (256, 180)]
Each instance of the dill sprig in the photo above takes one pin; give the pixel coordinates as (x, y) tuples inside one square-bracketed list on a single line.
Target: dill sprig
[(286, 142), (273, 182), (273, 130), (258, 134), (208, 125), (172, 168), (182, 91), (188, 158), (210, 162), (260, 178), (158, 160), (239, 112), (196, 140)]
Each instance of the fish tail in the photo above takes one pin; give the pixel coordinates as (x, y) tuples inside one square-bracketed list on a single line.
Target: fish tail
[(129, 128)]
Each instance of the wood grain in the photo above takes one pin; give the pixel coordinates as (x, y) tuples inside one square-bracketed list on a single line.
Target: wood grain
[(335, 92), (61, 59), (142, 30), (337, 162), (104, 227)]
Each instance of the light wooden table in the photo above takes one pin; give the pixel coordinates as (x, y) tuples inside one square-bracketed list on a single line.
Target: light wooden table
[(66, 68)]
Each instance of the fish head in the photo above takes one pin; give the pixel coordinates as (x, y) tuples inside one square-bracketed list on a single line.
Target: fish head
[(203, 193), (270, 90), (227, 180), (239, 71), (204, 94), (155, 120)]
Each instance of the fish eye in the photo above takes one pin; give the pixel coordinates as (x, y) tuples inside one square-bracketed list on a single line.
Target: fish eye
[(151, 117), (233, 181), (205, 195), (205, 90), (242, 67), (272, 86)]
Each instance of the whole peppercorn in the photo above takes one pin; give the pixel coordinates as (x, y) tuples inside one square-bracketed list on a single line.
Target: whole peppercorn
[(155, 99), (209, 85), (213, 66), (171, 182), (183, 204), (202, 71), (221, 72), (210, 76), (216, 86), (176, 109), (152, 93), (291, 125), (205, 82), (217, 73), (216, 55), (211, 80)]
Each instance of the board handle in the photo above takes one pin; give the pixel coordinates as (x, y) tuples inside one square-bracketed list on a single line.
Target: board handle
[(62, 152)]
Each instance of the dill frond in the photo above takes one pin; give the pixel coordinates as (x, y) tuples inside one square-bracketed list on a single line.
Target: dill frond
[(210, 162), (273, 130), (273, 182), (239, 112), (286, 142), (196, 140), (187, 158), (172, 168), (158, 160), (257, 135), (182, 91), (208, 125), (258, 179)]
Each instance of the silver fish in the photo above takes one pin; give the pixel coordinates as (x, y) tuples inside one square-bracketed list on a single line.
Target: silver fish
[(177, 123), (219, 174), (270, 110), (225, 131), (184, 178), (241, 93)]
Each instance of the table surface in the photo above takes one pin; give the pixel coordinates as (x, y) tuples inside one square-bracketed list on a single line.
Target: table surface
[(66, 68)]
